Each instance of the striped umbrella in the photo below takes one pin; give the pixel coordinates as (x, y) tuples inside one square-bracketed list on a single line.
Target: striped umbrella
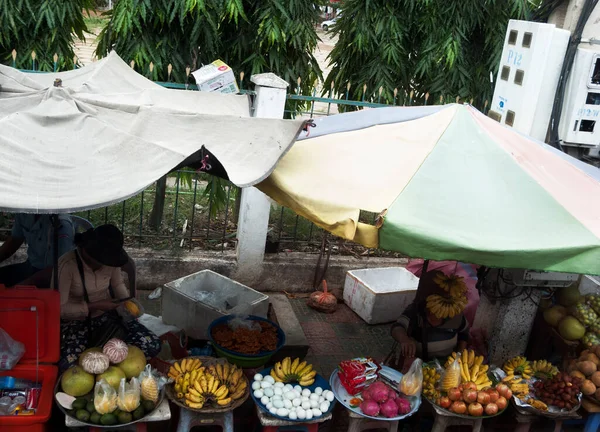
[(448, 183)]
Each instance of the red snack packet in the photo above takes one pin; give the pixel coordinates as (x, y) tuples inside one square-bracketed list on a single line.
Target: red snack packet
[(357, 373)]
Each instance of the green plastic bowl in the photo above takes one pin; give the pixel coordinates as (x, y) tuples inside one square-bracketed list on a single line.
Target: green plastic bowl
[(245, 360)]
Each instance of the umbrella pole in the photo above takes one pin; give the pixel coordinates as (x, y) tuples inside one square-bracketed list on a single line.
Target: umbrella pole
[(55, 228)]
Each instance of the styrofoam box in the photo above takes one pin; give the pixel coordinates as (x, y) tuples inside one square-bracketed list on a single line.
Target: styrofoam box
[(181, 307), (379, 295)]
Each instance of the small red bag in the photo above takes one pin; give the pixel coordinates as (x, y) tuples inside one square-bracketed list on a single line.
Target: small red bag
[(323, 301)]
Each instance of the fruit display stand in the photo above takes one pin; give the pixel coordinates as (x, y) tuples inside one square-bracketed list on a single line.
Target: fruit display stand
[(207, 415), (32, 317)]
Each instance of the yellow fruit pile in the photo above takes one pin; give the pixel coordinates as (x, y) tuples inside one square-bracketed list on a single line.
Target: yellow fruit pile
[(288, 371), (518, 385), (543, 369), (471, 368), (451, 378), (455, 299), (518, 366), (454, 285), (537, 404), (197, 385), (430, 378)]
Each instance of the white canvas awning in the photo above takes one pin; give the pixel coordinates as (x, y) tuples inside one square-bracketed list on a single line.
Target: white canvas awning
[(107, 133)]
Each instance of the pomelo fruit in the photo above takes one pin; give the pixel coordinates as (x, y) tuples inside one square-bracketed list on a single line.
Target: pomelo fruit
[(135, 362), (554, 314), (568, 296), (82, 355), (77, 382), (570, 328), (112, 376)]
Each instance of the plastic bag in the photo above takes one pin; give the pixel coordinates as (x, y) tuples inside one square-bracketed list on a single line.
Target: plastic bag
[(105, 397), (129, 395), (323, 301), (151, 383), (451, 376), (11, 351), (411, 383)]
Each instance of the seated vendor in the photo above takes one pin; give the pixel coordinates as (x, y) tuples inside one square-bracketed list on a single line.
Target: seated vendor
[(99, 256), (427, 325)]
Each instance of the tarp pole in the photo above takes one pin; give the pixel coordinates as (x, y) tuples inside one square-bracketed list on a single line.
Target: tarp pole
[(55, 228)]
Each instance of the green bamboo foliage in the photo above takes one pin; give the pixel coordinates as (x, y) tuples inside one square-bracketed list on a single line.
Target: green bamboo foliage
[(441, 47), (252, 36), (43, 27)]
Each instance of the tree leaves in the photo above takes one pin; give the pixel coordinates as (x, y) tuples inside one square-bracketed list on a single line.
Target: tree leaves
[(446, 48)]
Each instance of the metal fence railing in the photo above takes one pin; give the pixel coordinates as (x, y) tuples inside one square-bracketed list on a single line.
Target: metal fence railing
[(200, 211)]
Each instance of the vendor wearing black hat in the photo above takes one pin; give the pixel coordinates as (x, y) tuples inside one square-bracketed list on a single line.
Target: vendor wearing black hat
[(91, 285)]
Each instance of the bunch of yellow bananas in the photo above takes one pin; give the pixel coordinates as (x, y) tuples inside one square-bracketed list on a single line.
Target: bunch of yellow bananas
[(518, 366), (288, 371), (519, 386), (471, 368), (453, 284), (537, 404), (185, 365), (443, 306), (204, 388), (232, 377), (543, 369)]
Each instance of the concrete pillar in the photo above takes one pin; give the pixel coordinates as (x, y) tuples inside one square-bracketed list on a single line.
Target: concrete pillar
[(507, 322), (255, 206)]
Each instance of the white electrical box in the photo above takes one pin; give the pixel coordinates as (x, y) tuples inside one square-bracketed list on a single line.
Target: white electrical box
[(540, 278), (529, 70), (581, 109)]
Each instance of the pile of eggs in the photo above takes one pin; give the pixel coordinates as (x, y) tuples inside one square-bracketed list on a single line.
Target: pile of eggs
[(293, 402)]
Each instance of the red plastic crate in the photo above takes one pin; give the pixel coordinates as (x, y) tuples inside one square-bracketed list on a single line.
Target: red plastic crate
[(19, 320)]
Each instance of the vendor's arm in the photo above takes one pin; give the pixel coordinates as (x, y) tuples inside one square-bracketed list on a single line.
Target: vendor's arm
[(69, 308), (400, 334), (463, 335), (116, 281), (14, 242)]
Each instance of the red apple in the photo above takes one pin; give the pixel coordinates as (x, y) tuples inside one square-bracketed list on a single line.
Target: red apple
[(494, 395), (469, 396), (470, 385), (445, 402), (458, 407), (507, 394), (483, 398), (501, 402), (502, 388), (475, 409), (454, 394), (491, 409)]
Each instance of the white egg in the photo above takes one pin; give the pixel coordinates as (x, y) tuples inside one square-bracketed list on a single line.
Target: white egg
[(289, 395), (273, 410), (321, 399), (297, 394), (277, 391), (319, 390), (269, 405), (317, 412), (306, 392), (309, 414), (279, 385), (314, 404), (258, 377), (288, 387), (278, 403), (258, 394), (306, 405), (304, 398), (282, 412), (287, 404), (314, 397), (264, 400), (330, 397), (269, 392), (297, 402), (255, 385), (324, 407), (293, 416), (298, 388), (269, 379), (301, 413), (265, 384)]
